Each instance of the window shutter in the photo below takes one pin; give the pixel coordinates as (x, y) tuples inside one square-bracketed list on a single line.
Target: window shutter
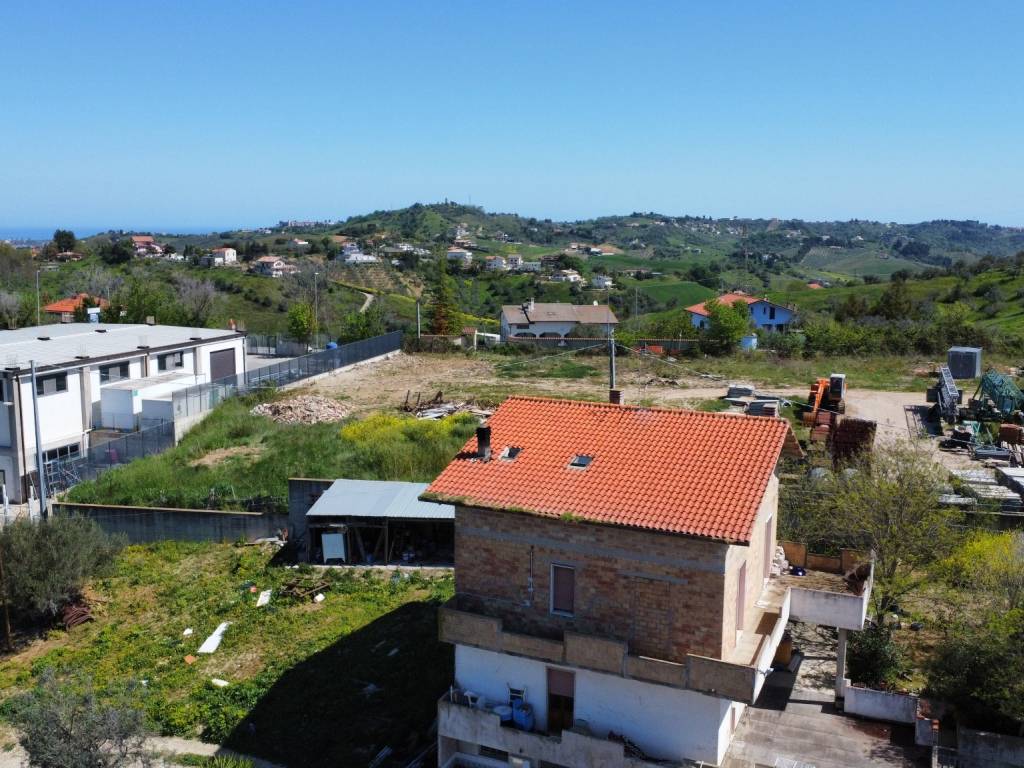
[(563, 588)]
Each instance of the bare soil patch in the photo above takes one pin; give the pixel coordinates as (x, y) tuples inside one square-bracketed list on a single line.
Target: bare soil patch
[(215, 457)]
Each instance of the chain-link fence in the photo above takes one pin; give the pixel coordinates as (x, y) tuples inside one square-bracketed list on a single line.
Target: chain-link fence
[(203, 397)]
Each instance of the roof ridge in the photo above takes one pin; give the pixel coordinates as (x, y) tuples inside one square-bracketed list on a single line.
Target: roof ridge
[(644, 408)]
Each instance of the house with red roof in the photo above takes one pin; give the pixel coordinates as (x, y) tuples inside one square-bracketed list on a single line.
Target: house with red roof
[(618, 582), (65, 309), (763, 313)]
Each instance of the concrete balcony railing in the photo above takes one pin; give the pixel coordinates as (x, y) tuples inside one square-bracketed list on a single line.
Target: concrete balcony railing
[(819, 597), (575, 748)]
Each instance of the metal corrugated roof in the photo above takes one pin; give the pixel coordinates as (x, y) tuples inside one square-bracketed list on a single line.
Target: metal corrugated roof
[(75, 343), (378, 498)]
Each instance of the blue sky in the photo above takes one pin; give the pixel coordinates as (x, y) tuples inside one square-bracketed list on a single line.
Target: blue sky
[(178, 114)]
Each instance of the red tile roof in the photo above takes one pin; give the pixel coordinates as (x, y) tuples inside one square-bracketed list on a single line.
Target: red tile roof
[(688, 472), (725, 298), (71, 304)]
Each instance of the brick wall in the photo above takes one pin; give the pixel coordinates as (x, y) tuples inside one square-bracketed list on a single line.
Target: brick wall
[(754, 556), (663, 594)]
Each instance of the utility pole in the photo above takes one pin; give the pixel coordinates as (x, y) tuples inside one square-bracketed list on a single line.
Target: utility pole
[(39, 446), (316, 308), (418, 329), (38, 313)]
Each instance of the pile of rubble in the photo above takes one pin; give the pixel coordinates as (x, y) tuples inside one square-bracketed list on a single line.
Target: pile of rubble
[(305, 409), (440, 410)]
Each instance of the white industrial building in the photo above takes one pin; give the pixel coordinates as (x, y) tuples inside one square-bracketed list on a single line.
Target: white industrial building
[(76, 363)]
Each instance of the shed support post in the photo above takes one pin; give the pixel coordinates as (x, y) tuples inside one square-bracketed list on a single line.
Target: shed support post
[(841, 665)]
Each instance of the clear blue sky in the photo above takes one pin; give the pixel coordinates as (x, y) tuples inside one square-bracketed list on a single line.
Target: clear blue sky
[(179, 114)]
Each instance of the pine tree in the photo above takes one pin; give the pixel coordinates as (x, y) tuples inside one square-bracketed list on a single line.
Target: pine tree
[(442, 310)]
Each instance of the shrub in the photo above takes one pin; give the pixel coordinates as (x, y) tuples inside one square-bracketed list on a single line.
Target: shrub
[(874, 658), (48, 562), (65, 726)]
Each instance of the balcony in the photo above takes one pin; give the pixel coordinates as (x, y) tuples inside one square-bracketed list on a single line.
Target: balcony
[(575, 748), (820, 597)]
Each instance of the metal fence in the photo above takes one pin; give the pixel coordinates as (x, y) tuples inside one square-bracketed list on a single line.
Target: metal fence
[(203, 397), (62, 474), (272, 344)]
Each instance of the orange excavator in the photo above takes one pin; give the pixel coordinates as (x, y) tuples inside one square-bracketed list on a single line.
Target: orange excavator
[(826, 399), (829, 394)]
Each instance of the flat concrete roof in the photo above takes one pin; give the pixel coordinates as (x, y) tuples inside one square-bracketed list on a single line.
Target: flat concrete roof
[(378, 498), (186, 379), (69, 344)]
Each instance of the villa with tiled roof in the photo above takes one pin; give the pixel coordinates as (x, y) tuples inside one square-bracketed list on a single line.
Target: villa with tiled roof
[(613, 578)]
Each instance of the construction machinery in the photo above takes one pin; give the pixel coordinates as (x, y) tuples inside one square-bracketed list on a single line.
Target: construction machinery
[(997, 398), (828, 394), (946, 396)]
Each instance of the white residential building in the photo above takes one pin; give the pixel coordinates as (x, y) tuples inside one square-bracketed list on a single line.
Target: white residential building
[(228, 255), (601, 281), (566, 276), (497, 264), (270, 266), (75, 362), (514, 260), (461, 256), (532, 320)]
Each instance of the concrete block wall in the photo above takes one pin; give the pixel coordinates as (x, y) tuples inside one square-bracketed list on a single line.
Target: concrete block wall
[(642, 587)]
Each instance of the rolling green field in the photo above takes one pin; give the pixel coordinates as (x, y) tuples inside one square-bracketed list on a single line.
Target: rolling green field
[(672, 292), (855, 261)]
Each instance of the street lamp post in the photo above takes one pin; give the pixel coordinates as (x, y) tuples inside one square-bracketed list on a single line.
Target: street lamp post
[(38, 314)]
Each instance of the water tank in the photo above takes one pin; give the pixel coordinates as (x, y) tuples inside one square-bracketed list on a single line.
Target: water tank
[(964, 362)]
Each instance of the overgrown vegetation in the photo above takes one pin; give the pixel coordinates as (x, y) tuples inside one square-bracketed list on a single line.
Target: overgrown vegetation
[(47, 563), (382, 447), (368, 656), (66, 725)]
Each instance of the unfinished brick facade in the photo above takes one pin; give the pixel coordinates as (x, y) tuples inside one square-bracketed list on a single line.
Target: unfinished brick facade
[(664, 594)]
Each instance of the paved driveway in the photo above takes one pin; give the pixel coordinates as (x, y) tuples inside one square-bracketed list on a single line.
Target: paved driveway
[(795, 723)]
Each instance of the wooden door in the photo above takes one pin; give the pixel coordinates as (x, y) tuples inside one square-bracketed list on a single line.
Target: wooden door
[(561, 700)]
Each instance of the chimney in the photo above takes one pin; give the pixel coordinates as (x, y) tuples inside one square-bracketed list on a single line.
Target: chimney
[(615, 396), (483, 443)]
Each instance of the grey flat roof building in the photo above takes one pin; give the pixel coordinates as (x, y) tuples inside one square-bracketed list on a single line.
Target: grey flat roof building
[(68, 344)]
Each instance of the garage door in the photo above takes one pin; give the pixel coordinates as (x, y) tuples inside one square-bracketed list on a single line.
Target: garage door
[(222, 364)]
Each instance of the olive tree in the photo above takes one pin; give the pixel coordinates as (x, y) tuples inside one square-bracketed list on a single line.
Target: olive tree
[(886, 502), (66, 725)]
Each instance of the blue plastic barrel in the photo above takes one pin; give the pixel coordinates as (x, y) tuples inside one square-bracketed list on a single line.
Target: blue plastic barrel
[(332, 345), (522, 716)]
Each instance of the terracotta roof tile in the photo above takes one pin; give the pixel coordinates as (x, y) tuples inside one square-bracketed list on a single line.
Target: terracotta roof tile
[(71, 304), (689, 472)]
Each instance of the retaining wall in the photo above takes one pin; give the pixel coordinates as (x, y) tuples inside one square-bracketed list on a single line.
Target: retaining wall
[(141, 525)]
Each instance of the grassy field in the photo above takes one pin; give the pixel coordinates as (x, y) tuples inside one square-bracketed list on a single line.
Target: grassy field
[(312, 684), (669, 291), (233, 456), (856, 261), (995, 298)]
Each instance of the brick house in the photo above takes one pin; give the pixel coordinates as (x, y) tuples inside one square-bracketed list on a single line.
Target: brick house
[(613, 571)]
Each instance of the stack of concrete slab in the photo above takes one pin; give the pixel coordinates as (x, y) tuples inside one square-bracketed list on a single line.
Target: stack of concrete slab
[(995, 486), (1012, 477)]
